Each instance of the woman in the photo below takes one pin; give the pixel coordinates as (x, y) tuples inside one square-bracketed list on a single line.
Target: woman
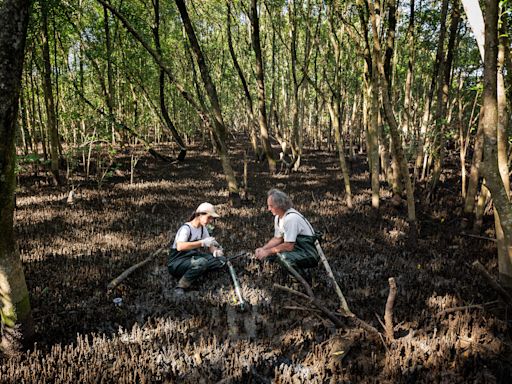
[(188, 260)]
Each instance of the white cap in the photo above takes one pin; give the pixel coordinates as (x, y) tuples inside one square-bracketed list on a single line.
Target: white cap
[(208, 209)]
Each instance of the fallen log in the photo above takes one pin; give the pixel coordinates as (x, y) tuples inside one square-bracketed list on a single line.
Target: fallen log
[(114, 283)]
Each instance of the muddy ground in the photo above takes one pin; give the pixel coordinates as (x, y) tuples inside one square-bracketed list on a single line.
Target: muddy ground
[(72, 251)]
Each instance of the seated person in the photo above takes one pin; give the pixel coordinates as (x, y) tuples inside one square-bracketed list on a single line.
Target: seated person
[(194, 252), (294, 237)]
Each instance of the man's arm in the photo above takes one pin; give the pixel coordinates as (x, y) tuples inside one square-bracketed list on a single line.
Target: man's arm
[(274, 245)]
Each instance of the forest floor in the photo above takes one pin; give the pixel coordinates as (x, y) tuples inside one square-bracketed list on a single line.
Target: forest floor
[(72, 251)]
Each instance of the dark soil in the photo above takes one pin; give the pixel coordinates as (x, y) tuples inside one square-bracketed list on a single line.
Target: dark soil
[(72, 251)]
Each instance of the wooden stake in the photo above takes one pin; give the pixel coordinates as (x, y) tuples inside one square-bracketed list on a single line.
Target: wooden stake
[(388, 314)]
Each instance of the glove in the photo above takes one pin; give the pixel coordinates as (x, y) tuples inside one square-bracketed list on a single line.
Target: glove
[(218, 253), (207, 242)]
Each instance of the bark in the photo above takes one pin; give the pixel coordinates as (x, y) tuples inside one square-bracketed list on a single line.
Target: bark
[(490, 168), (247, 94), (388, 314), (443, 95), (393, 125), (163, 105), (48, 95), (372, 100), (425, 121), (16, 315), (110, 96), (219, 128), (335, 119), (474, 175), (410, 70), (260, 81)]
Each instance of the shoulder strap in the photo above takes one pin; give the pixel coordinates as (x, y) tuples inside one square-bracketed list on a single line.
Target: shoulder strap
[(303, 218), (189, 231)]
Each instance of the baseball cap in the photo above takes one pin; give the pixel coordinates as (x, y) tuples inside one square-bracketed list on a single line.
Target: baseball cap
[(208, 209)]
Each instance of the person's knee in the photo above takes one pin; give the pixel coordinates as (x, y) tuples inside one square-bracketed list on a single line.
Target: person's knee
[(200, 263)]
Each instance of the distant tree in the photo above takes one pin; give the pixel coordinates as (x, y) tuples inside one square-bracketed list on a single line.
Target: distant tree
[(262, 112), (16, 317)]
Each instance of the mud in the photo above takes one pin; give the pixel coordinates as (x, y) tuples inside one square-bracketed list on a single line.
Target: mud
[(72, 251)]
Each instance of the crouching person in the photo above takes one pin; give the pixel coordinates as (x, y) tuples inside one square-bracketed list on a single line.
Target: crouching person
[(194, 252), (294, 237)]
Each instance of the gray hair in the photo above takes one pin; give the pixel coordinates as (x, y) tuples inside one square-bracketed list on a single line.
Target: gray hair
[(280, 199)]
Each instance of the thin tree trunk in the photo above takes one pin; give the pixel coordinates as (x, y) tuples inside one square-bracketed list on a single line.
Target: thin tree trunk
[(110, 95), (16, 323), (443, 96), (247, 94), (219, 127), (262, 109), (410, 71), (490, 167), (474, 175), (335, 119), (425, 121), (393, 125), (48, 93), (163, 105), (372, 100)]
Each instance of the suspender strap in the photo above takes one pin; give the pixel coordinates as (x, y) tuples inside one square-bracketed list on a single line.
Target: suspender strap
[(190, 231)]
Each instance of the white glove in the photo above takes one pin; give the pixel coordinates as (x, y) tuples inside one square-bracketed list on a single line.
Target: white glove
[(218, 252), (207, 242)]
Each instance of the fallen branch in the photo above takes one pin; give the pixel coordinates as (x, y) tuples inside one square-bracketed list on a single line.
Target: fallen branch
[(497, 287), (337, 322), (114, 283), (463, 308), (478, 237), (299, 308), (388, 314)]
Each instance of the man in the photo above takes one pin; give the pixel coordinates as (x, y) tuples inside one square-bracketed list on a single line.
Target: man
[(294, 237)]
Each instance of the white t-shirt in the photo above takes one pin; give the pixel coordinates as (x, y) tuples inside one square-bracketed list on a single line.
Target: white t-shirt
[(189, 233), (291, 225)]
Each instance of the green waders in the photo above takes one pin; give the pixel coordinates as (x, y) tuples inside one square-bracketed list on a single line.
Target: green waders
[(188, 266), (304, 254)]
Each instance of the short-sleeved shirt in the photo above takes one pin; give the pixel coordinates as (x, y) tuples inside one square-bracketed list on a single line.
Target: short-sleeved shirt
[(291, 225), (188, 233)]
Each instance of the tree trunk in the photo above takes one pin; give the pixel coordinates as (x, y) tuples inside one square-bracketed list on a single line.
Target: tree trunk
[(425, 121), (490, 168), (262, 110), (16, 315), (163, 106), (48, 94), (410, 70), (393, 125), (372, 110), (335, 119), (110, 96), (247, 94), (443, 89), (219, 128)]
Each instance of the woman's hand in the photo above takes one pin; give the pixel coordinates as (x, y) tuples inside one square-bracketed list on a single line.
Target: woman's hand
[(207, 242)]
